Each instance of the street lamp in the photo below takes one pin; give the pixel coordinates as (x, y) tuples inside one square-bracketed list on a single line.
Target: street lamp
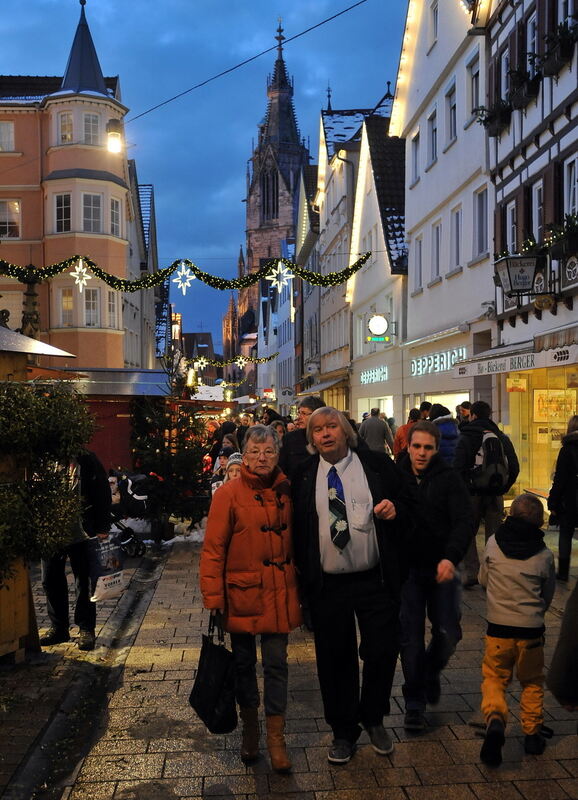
[(114, 136), (517, 274)]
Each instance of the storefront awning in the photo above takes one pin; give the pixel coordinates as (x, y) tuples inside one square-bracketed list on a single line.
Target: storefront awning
[(515, 358), (319, 387), (560, 338)]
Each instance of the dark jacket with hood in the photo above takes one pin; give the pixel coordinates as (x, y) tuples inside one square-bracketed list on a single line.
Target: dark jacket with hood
[(448, 427), (469, 443), (443, 514), (562, 499), (561, 677), (393, 536)]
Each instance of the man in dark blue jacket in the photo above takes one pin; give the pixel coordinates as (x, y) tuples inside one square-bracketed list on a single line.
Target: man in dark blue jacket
[(444, 527), (351, 518)]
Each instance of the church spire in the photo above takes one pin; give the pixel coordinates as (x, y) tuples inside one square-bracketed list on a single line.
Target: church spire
[(83, 72), (280, 126)]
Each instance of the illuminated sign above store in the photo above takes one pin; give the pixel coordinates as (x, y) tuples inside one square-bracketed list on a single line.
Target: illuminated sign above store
[(442, 361), (515, 362), (376, 375)]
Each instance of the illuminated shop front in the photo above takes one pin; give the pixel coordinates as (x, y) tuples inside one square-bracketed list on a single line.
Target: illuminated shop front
[(428, 372), (535, 394)]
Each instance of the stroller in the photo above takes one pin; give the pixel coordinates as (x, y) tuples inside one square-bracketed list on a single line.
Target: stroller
[(130, 500)]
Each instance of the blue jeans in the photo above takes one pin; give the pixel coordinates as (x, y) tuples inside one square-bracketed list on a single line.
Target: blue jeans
[(421, 594), (275, 670)]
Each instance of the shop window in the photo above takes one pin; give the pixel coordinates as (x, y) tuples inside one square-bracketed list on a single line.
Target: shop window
[(10, 219), (6, 137)]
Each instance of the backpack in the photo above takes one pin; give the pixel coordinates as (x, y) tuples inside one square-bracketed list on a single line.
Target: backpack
[(490, 472)]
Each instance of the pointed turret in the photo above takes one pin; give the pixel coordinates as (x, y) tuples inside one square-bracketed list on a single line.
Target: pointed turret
[(280, 126), (241, 263), (83, 72)]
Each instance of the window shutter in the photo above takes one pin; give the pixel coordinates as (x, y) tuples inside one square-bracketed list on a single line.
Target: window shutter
[(525, 226), (499, 226), (513, 48), (547, 16), (522, 47), (553, 193), (491, 89)]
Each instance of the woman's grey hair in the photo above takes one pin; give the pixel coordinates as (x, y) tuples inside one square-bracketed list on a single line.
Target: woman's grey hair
[(329, 411), (260, 434)]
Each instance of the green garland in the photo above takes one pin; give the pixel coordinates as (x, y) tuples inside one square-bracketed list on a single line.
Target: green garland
[(31, 274), (203, 362)]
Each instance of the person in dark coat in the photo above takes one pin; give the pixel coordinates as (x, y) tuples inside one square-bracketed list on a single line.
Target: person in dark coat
[(487, 507), (561, 678), (563, 496), (448, 428), (351, 517), (96, 520), (294, 447), (376, 433), (444, 529)]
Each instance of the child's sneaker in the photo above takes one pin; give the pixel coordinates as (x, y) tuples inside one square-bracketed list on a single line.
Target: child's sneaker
[(491, 752)]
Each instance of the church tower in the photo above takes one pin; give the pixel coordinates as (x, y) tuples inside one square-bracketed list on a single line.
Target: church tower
[(272, 182)]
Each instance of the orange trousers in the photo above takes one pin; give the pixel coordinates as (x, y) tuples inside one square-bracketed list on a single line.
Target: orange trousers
[(500, 658)]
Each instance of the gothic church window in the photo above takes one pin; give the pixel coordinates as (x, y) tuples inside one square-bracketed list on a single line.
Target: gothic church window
[(270, 194)]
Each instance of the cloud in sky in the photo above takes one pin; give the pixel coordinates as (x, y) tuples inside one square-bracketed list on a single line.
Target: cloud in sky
[(195, 150)]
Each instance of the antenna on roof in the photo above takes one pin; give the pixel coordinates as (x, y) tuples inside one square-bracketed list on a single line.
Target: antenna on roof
[(329, 97)]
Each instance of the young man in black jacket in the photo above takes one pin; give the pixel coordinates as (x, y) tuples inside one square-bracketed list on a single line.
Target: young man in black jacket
[(444, 527), (489, 506), (350, 526)]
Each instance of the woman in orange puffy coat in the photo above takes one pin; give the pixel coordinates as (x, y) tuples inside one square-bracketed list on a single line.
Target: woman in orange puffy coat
[(248, 575)]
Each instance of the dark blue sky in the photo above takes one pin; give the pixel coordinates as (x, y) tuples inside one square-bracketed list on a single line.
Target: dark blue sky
[(195, 149)]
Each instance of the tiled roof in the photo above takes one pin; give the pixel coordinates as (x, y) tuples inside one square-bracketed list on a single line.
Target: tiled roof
[(342, 126), (388, 165), (34, 88)]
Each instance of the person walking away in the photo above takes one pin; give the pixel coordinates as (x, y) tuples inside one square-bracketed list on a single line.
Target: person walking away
[(294, 445), (448, 428), (401, 435), (376, 433), (444, 528), (517, 571), (351, 522), (95, 521), (247, 574), (486, 460), (563, 497)]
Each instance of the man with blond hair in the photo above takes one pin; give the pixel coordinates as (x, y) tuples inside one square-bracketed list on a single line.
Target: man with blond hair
[(350, 515)]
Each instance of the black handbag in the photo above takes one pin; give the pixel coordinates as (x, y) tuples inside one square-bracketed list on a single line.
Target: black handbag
[(213, 692)]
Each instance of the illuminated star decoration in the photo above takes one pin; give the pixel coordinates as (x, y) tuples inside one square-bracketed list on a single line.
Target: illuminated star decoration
[(241, 361), (201, 362), (81, 276), (184, 278), (280, 276)]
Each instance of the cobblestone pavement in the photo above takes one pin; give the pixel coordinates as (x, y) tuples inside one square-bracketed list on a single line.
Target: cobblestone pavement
[(148, 745)]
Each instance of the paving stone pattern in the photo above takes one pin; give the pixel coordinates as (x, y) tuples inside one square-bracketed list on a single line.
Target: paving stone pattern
[(150, 746)]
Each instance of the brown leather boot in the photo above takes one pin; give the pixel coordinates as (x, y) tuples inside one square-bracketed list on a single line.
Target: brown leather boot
[(276, 743), (250, 734)]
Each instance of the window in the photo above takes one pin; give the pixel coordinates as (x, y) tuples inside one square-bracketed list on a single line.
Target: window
[(436, 246), (531, 44), (511, 227), (474, 84), (66, 308), (91, 308), (432, 135), (481, 222), (65, 127), (415, 158), (418, 263), (91, 129), (434, 22), (505, 74), (6, 137), (456, 238), (111, 308), (9, 219), (92, 213), (451, 115), (270, 194), (570, 188), (538, 211), (115, 216), (566, 11), (63, 213)]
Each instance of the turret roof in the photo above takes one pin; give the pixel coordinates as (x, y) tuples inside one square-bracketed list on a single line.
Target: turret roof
[(83, 72)]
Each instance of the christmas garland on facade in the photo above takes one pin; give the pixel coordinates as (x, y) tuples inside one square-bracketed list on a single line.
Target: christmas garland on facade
[(278, 270), (240, 361)]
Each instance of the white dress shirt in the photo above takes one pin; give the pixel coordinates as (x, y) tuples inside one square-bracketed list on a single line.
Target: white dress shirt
[(361, 552)]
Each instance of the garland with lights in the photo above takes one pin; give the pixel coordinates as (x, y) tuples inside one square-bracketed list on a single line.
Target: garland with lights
[(240, 361), (279, 271)]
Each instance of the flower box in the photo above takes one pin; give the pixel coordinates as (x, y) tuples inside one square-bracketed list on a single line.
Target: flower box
[(560, 54)]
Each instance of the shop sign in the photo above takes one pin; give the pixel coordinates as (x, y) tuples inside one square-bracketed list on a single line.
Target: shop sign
[(375, 375), (516, 383), (520, 362), (437, 362), (269, 394)]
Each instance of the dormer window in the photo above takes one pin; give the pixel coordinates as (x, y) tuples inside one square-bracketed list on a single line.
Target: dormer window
[(65, 127), (91, 129)]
